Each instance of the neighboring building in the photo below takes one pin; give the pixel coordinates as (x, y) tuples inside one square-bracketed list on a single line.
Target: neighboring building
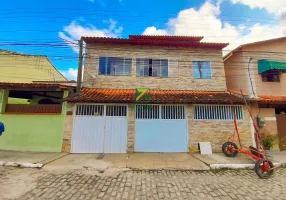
[(37, 126), (25, 68), (186, 100), (31, 90), (258, 69)]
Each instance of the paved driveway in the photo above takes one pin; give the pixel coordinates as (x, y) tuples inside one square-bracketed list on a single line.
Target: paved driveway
[(141, 184)]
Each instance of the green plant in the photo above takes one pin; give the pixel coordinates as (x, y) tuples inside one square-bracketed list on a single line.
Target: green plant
[(269, 141)]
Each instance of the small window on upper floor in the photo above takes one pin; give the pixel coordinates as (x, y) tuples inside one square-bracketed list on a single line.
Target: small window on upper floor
[(115, 66), (152, 67), (202, 70), (271, 76)]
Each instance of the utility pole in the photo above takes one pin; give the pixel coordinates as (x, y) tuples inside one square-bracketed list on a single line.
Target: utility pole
[(79, 70)]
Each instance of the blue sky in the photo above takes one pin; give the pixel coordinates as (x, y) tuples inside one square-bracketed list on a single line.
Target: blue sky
[(39, 24)]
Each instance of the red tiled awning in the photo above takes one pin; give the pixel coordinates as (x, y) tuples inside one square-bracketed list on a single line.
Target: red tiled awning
[(33, 86), (92, 95), (266, 99), (272, 99)]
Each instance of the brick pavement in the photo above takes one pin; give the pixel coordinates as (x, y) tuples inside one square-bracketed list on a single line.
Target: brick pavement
[(163, 184)]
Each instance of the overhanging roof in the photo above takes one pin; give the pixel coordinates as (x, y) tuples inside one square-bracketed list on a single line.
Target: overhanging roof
[(33, 86), (166, 41), (265, 65), (93, 95), (227, 56)]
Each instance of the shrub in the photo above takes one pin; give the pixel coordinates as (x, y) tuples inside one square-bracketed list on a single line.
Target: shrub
[(269, 141)]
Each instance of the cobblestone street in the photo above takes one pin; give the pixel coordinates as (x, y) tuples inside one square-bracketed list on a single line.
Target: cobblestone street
[(164, 184)]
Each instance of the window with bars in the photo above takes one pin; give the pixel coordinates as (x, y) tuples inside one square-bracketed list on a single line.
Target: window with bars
[(217, 112), (115, 66), (90, 110), (152, 67), (116, 110), (160, 112), (99, 110)]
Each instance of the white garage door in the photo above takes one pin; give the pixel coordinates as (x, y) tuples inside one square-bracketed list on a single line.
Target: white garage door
[(100, 129), (161, 128)]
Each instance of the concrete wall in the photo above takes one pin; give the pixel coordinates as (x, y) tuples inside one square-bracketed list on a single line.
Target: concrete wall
[(236, 73), (28, 132), (236, 68), (180, 74), (269, 117), (42, 133), (23, 68)]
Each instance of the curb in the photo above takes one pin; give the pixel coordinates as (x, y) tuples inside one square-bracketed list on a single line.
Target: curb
[(240, 166), (18, 164)]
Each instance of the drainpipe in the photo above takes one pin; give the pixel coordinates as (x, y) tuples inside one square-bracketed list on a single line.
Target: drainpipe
[(252, 95), (79, 71)]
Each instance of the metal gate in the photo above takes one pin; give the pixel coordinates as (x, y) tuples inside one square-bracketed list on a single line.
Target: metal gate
[(99, 129), (161, 128), (281, 127)]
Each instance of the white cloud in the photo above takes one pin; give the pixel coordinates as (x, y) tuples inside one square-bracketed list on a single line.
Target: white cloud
[(70, 74), (75, 31), (273, 6), (154, 31), (205, 22)]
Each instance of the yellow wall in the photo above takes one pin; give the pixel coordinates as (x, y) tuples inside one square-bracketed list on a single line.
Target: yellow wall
[(22, 68)]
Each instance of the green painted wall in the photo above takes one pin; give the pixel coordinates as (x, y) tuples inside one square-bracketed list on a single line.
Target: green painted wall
[(3, 99), (41, 133)]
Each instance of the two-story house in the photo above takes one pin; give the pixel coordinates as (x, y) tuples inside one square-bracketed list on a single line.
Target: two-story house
[(258, 69), (152, 94)]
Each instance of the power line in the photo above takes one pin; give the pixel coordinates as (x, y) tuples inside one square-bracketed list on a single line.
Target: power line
[(120, 11)]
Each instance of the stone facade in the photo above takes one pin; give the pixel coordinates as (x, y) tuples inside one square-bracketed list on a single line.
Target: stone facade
[(215, 131), (180, 68), (68, 126), (131, 129), (180, 78)]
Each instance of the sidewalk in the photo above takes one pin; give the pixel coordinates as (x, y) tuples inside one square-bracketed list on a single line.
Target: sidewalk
[(27, 159), (101, 162), (154, 161)]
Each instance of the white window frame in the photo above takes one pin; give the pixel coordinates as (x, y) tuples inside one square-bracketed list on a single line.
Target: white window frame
[(106, 63), (104, 109), (183, 115), (218, 114), (211, 73), (152, 67)]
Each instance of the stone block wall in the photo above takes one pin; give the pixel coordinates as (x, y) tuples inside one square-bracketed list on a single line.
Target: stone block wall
[(68, 126), (131, 128), (180, 68), (216, 131)]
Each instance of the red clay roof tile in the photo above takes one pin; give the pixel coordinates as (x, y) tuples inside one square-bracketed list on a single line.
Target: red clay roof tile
[(272, 99), (93, 95), (174, 41), (8, 85)]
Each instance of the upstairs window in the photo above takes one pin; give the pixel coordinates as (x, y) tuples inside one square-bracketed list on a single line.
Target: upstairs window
[(152, 67), (115, 66), (202, 70), (271, 76)]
